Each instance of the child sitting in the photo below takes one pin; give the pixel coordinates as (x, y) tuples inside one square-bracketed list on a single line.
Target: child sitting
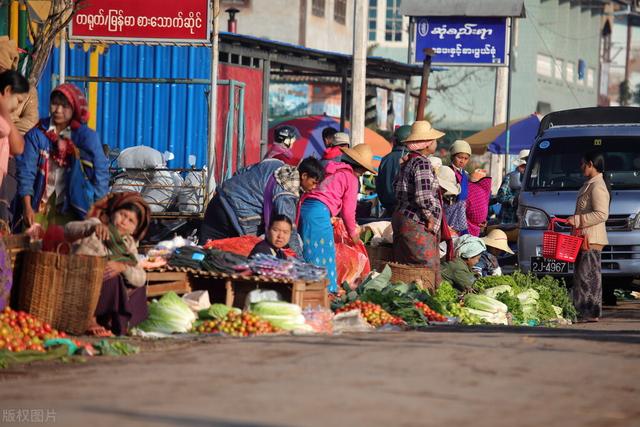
[(497, 244), (115, 225), (276, 238)]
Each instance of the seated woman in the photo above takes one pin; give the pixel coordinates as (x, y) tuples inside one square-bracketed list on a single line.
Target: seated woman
[(63, 169), (276, 238), (115, 225), (459, 272), (497, 244)]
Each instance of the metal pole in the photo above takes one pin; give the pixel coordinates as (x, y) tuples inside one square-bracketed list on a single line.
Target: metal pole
[(507, 130), (62, 66), (359, 72), (343, 100), (266, 80), (213, 103), (426, 69), (410, 60)]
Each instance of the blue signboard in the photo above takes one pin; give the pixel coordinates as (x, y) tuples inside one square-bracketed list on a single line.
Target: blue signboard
[(463, 40)]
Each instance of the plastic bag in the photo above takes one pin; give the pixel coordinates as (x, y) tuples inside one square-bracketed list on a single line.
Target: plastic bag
[(242, 245), (352, 261)]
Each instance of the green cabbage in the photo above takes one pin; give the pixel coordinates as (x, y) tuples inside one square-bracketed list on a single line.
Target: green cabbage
[(167, 315), (497, 318), (288, 322), (276, 308), (484, 303)]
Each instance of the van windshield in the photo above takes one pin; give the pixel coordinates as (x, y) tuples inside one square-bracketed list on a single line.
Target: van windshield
[(555, 163)]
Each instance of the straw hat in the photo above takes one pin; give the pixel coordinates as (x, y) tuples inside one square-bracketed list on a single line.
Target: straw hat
[(522, 158), (423, 131), (436, 163), (460, 146), (498, 239), (362, 154), (340, 139), (447, 180)]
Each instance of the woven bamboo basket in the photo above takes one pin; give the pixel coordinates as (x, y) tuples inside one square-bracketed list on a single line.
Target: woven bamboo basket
[(407, 273), (62, 290), (379, 256)]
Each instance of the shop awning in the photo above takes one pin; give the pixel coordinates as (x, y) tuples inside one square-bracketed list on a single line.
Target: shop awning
[(496, 8)]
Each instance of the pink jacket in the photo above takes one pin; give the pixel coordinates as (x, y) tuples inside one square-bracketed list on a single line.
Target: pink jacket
[(339, 191), (5, 129)]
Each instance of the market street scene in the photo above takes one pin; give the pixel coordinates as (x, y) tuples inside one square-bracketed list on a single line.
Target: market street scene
[(320, 212)]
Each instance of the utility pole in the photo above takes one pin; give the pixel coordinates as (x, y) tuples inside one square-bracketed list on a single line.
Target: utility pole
[(496, 163), (213, 103), (359, 71)]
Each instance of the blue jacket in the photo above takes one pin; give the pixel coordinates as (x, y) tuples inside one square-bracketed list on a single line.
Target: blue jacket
[(243, 197), (30, 169), (387, 172)]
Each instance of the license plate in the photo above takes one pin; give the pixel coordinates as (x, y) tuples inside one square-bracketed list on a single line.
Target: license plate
[(546, 265)]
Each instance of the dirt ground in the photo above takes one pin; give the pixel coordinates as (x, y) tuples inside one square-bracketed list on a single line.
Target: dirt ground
[(581, 375)]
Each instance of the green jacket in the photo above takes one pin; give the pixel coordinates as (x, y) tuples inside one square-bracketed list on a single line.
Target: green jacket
[(458, 273)]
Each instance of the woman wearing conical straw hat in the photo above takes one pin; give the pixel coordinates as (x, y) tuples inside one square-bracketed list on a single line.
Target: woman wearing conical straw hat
[(418, 216)]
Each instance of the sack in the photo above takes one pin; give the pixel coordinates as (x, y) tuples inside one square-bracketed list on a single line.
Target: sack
[(140, 157), (352, 261), (62, 290)]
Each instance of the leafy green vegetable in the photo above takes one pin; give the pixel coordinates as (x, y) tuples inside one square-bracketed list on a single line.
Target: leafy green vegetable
[(216, 312), (115, 348), (497, 318), (484, 303), (276, 308), (497, 290), (555, 292), (167, 315), (513, 305), (492, 281), (377, 281), (446, 294)]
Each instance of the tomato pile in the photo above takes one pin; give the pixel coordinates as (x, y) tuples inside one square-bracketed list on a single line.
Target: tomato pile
[(237, 325), (372, 313), (21, 331), (431, 315)]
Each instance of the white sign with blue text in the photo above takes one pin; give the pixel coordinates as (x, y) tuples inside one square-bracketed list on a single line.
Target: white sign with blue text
[(463, 40)]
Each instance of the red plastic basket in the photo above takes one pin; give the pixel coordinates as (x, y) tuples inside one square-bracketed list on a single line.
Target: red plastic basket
[(562, 247)]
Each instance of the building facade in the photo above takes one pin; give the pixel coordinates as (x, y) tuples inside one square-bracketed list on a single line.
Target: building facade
[(556, 64)]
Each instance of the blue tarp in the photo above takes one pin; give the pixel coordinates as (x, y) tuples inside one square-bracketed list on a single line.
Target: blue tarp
[(522, 136)]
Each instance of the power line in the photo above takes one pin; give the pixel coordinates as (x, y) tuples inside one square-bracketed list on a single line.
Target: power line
[(535, 27)]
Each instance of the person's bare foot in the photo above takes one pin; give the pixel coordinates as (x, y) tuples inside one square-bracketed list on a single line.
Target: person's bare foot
[(97, 330)]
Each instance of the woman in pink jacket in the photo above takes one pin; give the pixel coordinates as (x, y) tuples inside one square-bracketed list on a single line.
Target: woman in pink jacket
[(336, 195)]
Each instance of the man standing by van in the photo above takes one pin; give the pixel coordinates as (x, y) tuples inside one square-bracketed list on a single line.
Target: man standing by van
[(510, 189)]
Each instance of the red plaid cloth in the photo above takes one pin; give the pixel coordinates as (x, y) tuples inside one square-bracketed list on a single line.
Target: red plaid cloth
[(478, 204)]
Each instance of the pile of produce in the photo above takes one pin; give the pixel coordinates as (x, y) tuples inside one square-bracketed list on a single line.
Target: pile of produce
[(20, 331), (236, 324), (374, 314), (429, 313), (529, 300)]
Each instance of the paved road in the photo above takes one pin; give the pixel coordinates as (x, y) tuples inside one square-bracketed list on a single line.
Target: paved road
[(583, 375)]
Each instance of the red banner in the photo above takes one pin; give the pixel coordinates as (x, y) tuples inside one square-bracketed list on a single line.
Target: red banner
[(168, 21)]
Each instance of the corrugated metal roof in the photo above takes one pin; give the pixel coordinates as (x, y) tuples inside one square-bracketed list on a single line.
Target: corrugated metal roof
[(497, 8)]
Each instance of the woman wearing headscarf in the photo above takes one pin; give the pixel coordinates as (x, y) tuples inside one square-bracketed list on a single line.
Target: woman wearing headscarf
[(459, 272), (115, 226), (418, 216), (469, 212), (63, 169)]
